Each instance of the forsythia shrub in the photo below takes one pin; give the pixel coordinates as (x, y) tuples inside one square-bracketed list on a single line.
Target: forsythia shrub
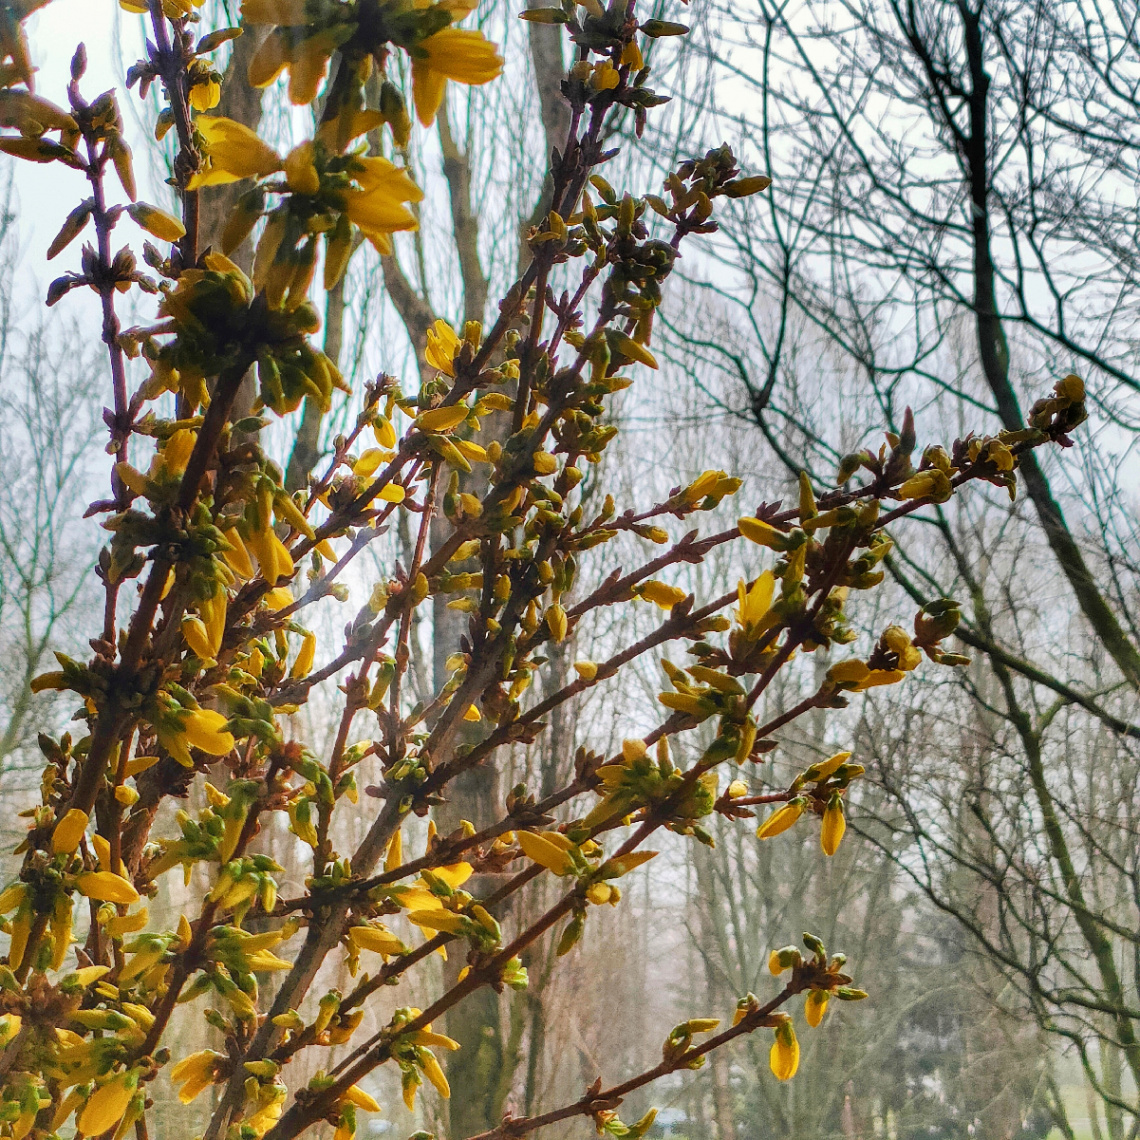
[(211, 565)]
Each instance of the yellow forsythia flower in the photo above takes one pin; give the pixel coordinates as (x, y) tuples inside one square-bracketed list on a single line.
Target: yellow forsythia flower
[(107, 1104), (213, 611), (815, 1006), (195, 635), (378, 939), (932, 484), (434, 1073), (377, 208), (782, 818), (662, 595), (762, 533), (369, 462), (471, 451), (69, 831), (391, 493), (834, 825), (438, 919), (205, 729), (205, 96), (301, 169), (264, 961), (544, 851), (356, 1095), (828, 767), (303, 665), (442, 419), (784, 1056), (848, 672), (158, 223), (127, 923), (279, 598), (587, 670), (756, 600), (456, 874), (442, 345), (436, 1040), (273, 558), (11, 897), (195, 1073), (877, 677), (395, 853), (106, 886), (462, 54), (233, 152), (237, 558), (383, 430), (605, 77)]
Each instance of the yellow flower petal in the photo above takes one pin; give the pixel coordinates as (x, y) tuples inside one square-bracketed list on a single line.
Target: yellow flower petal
[(106, 1105), (454, 875), (834, 825), (203, 728), (462, 54), (356, 1095), (106, 886), (442, 419), (784, 1056), (233, 152), (376, 939), (69, 831), (781, 819), (815, 1006), (543, 852)]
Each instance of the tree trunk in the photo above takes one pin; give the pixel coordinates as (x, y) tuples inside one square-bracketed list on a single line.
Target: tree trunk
[(994, 353)]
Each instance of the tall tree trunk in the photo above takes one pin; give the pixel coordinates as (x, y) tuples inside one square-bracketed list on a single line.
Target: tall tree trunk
[(994, 352), (242, 103)]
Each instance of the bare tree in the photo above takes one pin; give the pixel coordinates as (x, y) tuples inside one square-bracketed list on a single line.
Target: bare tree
[(47, 425), (951, 213)]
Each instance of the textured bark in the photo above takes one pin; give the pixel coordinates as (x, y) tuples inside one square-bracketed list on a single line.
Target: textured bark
[(306, 445), (545, 42), (242, 103), (549, 71), (464, 223)]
